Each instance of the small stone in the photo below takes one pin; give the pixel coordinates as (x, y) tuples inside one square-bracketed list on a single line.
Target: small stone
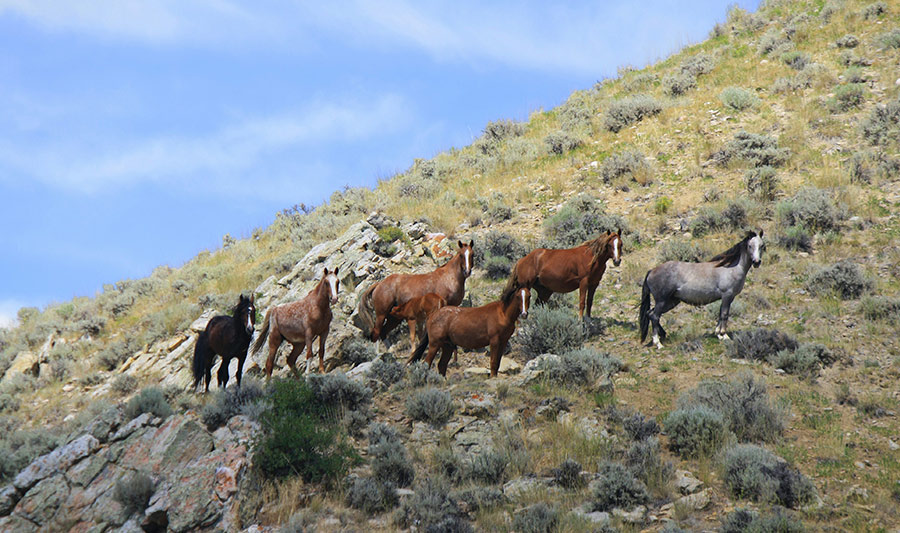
[(857, 494), (226, 483), (859, 465), (473, 371), (686, 482), (696, 501), (893, 445), (508, 365)]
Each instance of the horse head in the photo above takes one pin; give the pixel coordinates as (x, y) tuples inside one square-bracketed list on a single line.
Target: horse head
[(755, 246), (615, 246), (334, 284), (525, 301), (466, 251), (245, 312)]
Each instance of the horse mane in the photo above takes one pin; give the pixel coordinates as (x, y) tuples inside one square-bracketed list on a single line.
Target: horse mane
[(237, 307), (508, 293), (598, 244), (732, 254)]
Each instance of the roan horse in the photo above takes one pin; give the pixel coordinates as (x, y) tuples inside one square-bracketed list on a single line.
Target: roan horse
[(551, 270), (473, 327), (417, 311), (720, 278), (228, 336), (299, 323), (447, 281)]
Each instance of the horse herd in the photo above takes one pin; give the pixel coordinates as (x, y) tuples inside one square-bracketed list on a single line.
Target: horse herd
[(433, 300)]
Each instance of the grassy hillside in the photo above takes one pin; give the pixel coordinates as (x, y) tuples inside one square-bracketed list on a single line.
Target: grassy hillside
[(787, 119)]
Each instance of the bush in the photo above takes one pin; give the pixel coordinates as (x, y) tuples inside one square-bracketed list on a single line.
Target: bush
[(678, 250), (568, 474), (678, 84), (890, 39), (301, 435), (481, 498), (639, 81), (758, 344), (616, 487), (744, 405), (547, 330), (755, 149), (874, 10), (795, 238), (732, 217), (431, 506), (645, 462), (772, 40), (855, 75), (488, 467), (631, 163), (849, 59), (697, 65), (847, 97), (386, 372), (695, 431), (337, 391), (738, 99), (638, 427), (802, 361), (115, 353), (537, 518), (124, 384), (843, 278), (630, 110), (149, 400), (20, 447), (579, 367), (371, 495), (390, 461), (745, 521), (355, 351), (430, 405), (762, 182), (500, 251), (881, 308), (580, 219), (796, 60), (560, 142), (503, 129), (759, 475), (847, 41), (811, 208), (232, 402), (8, 402), (420, 375), (883, 124), (134, 492), (449, 464)]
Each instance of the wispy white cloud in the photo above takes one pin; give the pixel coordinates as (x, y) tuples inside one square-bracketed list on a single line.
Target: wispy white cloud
[(227, 157)]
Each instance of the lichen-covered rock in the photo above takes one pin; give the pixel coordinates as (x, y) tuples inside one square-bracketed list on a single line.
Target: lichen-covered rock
[(58, 460)]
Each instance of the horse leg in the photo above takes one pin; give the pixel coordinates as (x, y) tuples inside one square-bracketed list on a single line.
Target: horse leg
[(210, 357), (275, 340), (296, 350), (240, 369), (446, 352), (582, 294), (724, 309), (496, 354), (589, 301), (322, 352), (411, 324), (309, 351), (432, 351), (656, 313), (544, 293), (223, 372)]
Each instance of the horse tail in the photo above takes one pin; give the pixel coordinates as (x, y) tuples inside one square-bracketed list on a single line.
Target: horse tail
[(644, 315), (200, 359), (513, 284), (367, 311), (420, 349), (263, 333)]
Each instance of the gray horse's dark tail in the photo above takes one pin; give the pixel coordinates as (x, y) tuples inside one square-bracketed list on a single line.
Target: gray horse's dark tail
[(644, 315), (420, 349), (367, 312), (201, 357)]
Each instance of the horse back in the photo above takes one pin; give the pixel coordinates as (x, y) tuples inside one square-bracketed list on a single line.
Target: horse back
[(398, 289)]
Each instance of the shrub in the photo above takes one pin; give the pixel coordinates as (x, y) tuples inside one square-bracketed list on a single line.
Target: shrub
[(641, 80), (811, 208), (430, 405), (503, 129), (20, 447), (744, 405), (386, 372), (847, 41), (134, 492), (874, 10), (231, 402), (795, 238), (697, 65), (645, 462), (560, 142), (481, 498), (355, 351), (579, 367), (390, 461), (124, 384), (855, 75), (883, 124), (737, 98), (337, 391), (755, 149), (449, 464), (149, 400), (500, 251), (575, 115), (419, 375), (115, 353), (758, 344), (762, 182), (679, 250), (631, 163), (772, 40), (638, 427), (848, 58), (8, 402), (830, 8), (744, 521), (732, 217), (430, 506), (488, 467), (568, 474), (662, 205), (371, 495), (537, 518), (890, 39), (859, 167), (678, 84), (547, 330), (796, 60), (695, 431), (301, 435), (847, 97), (843, 278), (580, 219), (881, 308), (616, 487), (627, 111), (757, 474)]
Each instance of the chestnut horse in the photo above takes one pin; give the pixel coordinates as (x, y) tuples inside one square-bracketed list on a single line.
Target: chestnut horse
[(447, 281), (228, 336), (550, 270), (473, 327), (417, 311), (299, 323)]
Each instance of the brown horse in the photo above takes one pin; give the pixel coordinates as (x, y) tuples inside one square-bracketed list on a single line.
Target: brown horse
[(447, 281), (228, 336), (550, 270), (473, 327), (300, 322), (417, 311)]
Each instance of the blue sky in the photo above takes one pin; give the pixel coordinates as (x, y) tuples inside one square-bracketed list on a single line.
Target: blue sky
[(137, 133)]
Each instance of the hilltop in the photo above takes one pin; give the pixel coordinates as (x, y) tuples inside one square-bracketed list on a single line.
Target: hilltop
[(787, 120)]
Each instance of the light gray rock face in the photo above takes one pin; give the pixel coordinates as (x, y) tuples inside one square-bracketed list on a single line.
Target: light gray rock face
[(56, 461)]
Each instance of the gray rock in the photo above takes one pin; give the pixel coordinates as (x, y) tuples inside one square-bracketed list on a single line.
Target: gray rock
[(9, 497), (58, 460), (686, 482), (520, 487), (635, 516), (361, 371), (697, 501), (530, 372), (144, 419), (597, 517)]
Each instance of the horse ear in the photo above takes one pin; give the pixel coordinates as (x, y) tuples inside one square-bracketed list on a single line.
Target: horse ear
[(472, 243), (608, 232), (619, 231), (335, 271), (252, 296), (460, 243), (326, 271), (760, 233)]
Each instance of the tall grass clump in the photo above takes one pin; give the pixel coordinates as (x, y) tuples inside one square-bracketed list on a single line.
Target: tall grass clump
[(390, 460), (762, 182), (881, 308), (622, 113), (537, 518), (848, 96)]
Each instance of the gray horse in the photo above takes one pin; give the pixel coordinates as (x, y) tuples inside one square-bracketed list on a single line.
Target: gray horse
[(720, 278)]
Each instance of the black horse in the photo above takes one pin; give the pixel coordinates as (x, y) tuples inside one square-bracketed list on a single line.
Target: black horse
[(228, 336)]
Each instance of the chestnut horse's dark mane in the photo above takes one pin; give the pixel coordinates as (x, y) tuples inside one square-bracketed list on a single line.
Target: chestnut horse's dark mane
[(729, 256), (598, 245)]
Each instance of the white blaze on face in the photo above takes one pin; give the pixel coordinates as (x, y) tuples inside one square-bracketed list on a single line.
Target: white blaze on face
[(524, 308), (468, 260), (249, 318), (755, 246), (615, 244), (332, 282)]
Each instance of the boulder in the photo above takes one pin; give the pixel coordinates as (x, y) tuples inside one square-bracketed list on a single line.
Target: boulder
[(686, 482), (531, 372), (56, 461)]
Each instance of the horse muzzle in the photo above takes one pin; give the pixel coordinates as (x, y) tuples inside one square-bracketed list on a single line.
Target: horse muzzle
[(249, 331), (756, 264), (524, 314), (617, 262), (334, 300)]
